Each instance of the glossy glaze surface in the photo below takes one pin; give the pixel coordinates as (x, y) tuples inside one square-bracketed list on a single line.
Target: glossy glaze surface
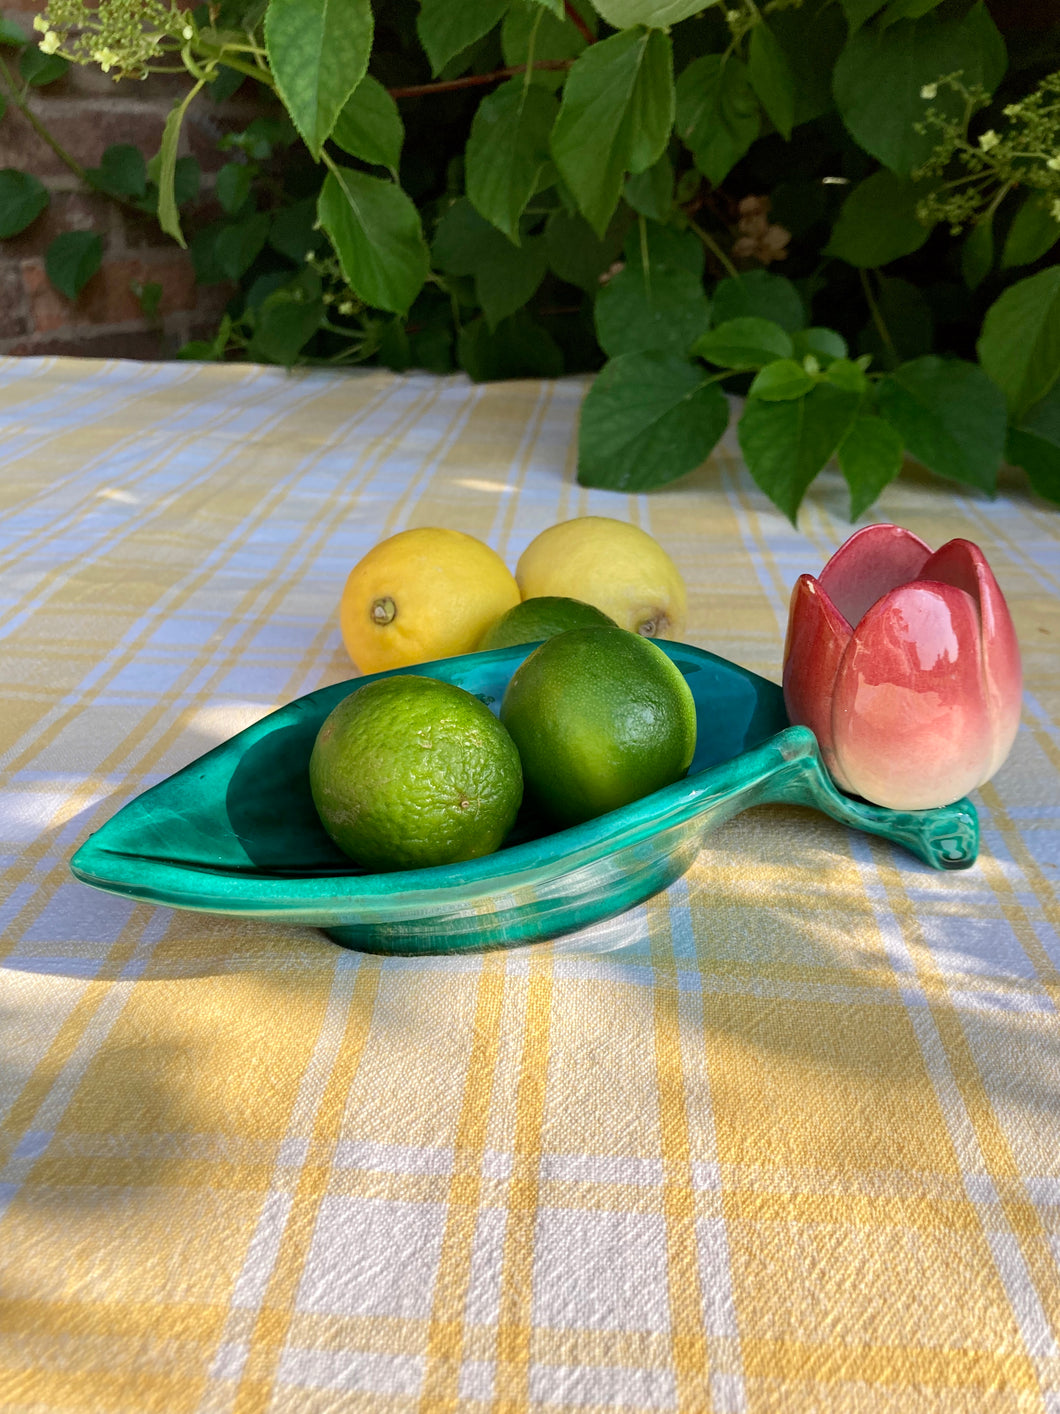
[(235, 831), (906, 667)]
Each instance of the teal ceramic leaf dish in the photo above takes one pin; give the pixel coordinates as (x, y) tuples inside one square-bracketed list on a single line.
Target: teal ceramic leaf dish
[(235, 832)]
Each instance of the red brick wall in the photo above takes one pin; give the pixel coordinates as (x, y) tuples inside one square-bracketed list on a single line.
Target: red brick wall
[(86, 112)]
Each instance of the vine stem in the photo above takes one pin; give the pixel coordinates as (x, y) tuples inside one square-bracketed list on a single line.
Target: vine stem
[(38, 127), (420, 90), (715, 250), (877, 316), (578, 23)]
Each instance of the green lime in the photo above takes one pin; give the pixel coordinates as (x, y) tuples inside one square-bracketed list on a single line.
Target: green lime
[(539, 618), (408, 772), (601, 717)]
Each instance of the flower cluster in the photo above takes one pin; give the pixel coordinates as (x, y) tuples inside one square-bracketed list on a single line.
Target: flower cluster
[(979, 172), (124, 37)]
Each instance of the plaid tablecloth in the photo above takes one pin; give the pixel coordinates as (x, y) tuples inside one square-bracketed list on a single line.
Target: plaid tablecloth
[(785, 1138)]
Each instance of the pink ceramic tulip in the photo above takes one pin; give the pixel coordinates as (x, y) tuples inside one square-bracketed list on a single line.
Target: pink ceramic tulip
[(905, 666)]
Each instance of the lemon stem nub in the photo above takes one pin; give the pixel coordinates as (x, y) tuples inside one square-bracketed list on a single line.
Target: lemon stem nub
[(383, 611)]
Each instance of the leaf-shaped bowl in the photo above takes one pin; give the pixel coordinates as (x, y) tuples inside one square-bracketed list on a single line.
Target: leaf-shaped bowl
[(236, 831)]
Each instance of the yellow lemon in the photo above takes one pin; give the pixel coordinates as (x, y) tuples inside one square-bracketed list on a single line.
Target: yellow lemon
[(612, 565), (422, 594)]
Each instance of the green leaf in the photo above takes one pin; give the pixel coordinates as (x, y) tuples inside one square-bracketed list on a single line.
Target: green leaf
[(445, 27), (209, 350), (615, 117), (553, 35), (653, 103), (234, 181), (168, 215), (859, 11), (395, 350), (907, 10), (318, 51), (187, 175), (149, 297), (1033, 232), (651, 193), (718, 116), (12, 35), (122, 171), (293, 231), (287, 319), (665, 245), (647, 419), (1039, 458), (908, 319), (510, 278), (879, 75), (870, 456), (666, 310), (369, 125), (977, 253), (575, 252), (848, 376), (659, 13), (40, 69), (811, 39), (377, 236), (786, 444), (759, 295), (780, 381), (1035, 445), (506, 276), (239, 245), (517, 348), (822, 344), (1020, 343), (745, 342), (771, 78), (71, 260), (950, 416), (22, 199), (506, 151), (877, 222)]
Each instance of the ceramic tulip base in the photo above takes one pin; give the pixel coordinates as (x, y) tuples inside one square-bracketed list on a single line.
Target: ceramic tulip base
[(905, 665), (236, 832)]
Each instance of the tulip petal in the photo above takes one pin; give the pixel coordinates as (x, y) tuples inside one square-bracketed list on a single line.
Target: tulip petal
[(875, 560), (909, 714), (817, 637), (964, 565)]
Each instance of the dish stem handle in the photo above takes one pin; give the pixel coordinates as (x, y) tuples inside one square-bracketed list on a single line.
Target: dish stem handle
[(946, 837)]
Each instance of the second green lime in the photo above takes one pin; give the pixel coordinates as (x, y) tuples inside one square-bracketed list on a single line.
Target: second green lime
[(601, 717), (541, 618)]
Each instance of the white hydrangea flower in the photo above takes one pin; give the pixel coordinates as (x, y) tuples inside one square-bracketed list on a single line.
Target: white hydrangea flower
[(988, 140), (930, 90), (50, 43)]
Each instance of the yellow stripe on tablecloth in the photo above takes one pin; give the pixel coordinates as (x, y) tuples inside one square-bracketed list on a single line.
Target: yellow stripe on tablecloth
[(274, 1317), (148, 721), (446, 1332), (691, 1364), (1019, 1212), (801, 1363), (515, 1319)]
